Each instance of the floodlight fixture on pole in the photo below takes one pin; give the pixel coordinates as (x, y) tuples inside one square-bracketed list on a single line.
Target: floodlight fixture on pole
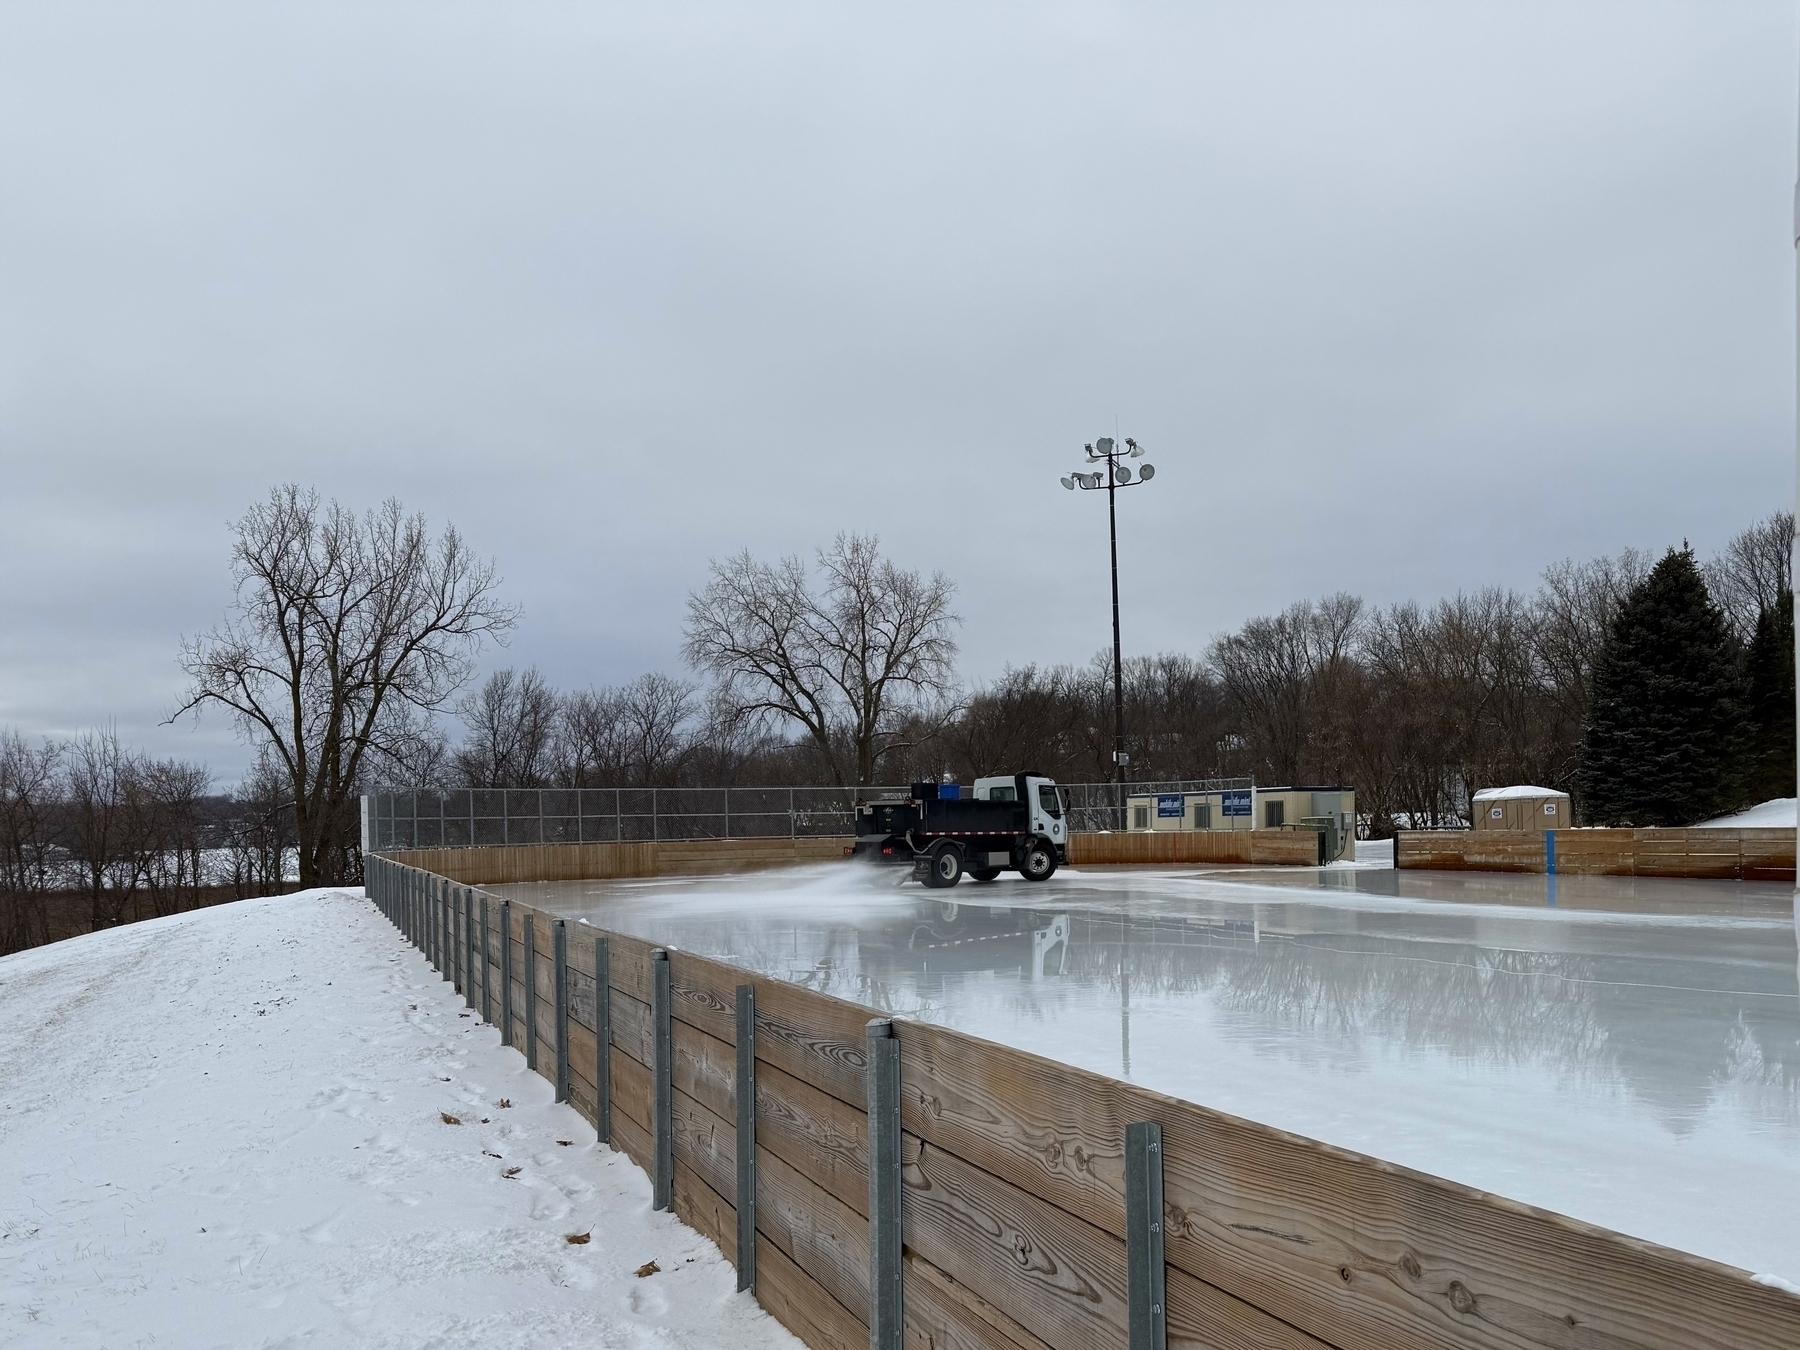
[(1117, 474)]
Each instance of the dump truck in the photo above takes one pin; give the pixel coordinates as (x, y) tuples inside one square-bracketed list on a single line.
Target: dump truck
[(1017, 823)]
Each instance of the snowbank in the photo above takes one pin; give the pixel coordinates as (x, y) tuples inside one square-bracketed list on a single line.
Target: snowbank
[(1518, 792), (232, 1128), (1771, 815)]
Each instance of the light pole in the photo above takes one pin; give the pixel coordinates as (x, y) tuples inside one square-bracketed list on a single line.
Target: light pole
[(1116, 475)]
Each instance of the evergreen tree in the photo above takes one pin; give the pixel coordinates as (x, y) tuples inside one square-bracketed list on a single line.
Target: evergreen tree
[(1769, 758), (1666, 715)]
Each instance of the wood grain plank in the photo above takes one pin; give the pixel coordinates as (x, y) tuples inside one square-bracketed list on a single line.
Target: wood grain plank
[(704, 1210), (822, 1235), (631, 1028), (631, 1091), (1356, 1251), (944, 1314), (795, 1299), (704, 1142), (629, 1135), (815, 1133), (1057, 1275), (705, 1068), (814, 1037)]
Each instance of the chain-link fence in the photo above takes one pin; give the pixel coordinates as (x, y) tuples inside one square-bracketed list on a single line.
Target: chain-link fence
[(464, 817)]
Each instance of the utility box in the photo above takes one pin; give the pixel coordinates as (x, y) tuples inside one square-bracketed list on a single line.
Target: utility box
[(1329, 840), (1522, 807)]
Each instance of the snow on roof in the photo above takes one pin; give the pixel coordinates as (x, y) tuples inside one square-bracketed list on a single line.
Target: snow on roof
[(1508, 794), (1777, 814)]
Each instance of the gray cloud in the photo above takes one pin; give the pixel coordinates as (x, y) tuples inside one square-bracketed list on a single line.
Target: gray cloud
[(1403, 298)]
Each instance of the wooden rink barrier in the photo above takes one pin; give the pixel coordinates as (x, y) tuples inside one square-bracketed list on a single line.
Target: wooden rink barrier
[(1740, 855), (1015, 1223), (499, 864)]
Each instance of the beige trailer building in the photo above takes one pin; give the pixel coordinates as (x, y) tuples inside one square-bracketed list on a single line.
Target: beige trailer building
[(1522, 807), (1274, 808)]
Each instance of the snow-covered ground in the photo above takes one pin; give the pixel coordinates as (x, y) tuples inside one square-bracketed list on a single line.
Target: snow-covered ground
[(1777, 814), (234, 1128)]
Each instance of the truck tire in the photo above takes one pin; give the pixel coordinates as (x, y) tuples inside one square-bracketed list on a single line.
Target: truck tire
[(984, 873), (946, 867), (1039, 862)]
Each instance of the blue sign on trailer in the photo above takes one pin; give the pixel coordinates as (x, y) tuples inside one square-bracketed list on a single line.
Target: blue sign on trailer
[(1237, 803), (1171, 805)]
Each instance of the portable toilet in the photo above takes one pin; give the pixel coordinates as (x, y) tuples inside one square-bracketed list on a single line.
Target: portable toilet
[(1521, 808)]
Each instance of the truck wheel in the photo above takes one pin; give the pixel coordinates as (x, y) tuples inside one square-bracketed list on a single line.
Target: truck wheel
[(984, 873), (1039, 863), (946, 867)]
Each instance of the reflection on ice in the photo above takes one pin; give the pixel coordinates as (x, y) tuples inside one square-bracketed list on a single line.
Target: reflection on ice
[(1625, 1051)]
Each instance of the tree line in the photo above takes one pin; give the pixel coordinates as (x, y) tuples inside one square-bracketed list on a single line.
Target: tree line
[(1416, 706), (94, 834), (348, 659)]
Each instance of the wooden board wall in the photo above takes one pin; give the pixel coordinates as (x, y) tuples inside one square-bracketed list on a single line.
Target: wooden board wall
[(497, 866), (1281, 848), (1745, 855), (1014, 1205)]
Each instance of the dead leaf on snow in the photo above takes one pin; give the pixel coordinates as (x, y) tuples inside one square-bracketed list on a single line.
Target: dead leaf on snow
[(449, 1119), (511, 1172), (505, 1102), (485, 1121), (566, 1143), (579, 1239), (648, 1268), (486, 1154)]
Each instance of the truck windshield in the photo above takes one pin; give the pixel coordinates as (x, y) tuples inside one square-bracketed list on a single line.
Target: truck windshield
[(1048, 799)]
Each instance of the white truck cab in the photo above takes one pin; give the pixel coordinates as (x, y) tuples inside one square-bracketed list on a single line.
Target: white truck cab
[(1047, 802)]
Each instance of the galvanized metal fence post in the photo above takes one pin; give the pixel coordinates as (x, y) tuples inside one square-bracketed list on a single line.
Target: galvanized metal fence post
[(1144, 1235), (886, 1307), (446, 935), (603, 1039), (530, 983), (746, 1136), (468, 948), (487, 969), (506, 1036), (664, 1110), (459, 937), (559, 947)]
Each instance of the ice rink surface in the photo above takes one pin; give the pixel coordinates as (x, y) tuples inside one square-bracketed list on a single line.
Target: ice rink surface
[(1626, 1051)]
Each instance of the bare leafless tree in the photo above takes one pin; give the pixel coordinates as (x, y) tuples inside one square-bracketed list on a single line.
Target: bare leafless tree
[(1272, 670), (97, 800), (1575, 604), (512, 728), (339, 618), (412, 749), (28, 802), (259, 835), (656, 715), (851, 664), (1753, 572)]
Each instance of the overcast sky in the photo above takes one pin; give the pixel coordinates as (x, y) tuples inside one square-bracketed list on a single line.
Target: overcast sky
[(1403, 298)]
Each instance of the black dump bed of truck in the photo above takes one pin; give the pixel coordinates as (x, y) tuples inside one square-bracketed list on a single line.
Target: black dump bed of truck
[(932, 819)]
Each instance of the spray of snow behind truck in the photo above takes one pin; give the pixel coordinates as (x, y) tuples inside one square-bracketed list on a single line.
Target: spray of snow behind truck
[(1018, 823)]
